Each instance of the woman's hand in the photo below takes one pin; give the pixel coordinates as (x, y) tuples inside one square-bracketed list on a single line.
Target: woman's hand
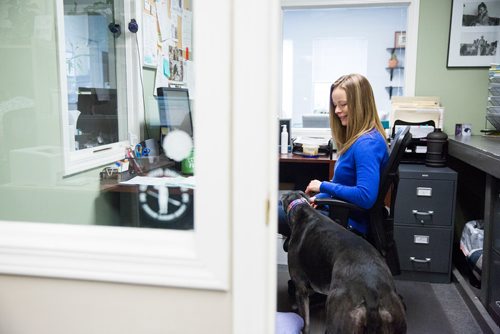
[(313, 187), (311, 202)]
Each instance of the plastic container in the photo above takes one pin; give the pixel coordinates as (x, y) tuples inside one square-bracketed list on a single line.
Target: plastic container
[(436, 148), (284, 140), (310, 150), (187, 165)]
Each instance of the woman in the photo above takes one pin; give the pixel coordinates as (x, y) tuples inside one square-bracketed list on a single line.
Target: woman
[(362, 150), (483, 19)]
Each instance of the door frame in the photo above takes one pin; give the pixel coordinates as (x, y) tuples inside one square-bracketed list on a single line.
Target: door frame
[(255, 75)]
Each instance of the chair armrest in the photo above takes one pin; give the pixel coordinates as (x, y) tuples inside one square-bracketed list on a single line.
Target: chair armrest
[(339, 210), (338, 204)]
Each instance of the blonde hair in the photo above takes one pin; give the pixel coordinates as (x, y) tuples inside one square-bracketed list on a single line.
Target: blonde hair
[(362, 115)]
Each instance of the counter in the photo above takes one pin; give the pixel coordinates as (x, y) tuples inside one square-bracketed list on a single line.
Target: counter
[(479, 157)]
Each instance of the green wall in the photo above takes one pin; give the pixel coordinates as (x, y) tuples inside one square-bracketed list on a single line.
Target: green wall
[(463, 91), (30, 118)]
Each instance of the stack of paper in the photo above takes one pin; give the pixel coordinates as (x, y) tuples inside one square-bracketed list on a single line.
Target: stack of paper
[(417, 109), (178, 181)]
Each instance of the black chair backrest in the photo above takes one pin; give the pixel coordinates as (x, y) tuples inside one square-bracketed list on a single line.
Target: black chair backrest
[(401, 140), (381, 228)]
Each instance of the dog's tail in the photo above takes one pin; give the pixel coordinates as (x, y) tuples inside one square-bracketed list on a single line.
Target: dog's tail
[(372, 321), (374, 316)]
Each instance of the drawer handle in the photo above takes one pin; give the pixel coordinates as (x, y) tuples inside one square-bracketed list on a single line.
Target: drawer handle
[(414, 259), (421, 213)]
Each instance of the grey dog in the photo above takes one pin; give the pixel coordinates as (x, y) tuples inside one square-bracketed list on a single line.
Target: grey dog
[(326, 258)]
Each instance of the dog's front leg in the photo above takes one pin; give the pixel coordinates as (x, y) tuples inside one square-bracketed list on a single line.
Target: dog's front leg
[(302, 297)]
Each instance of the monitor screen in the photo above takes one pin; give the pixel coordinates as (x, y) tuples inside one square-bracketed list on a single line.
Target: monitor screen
[(97, 101), (174, 108), (97, 123)]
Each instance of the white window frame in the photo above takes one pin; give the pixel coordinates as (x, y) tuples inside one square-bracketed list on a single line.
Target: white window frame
[(192, 259), (411, 33), (85, 159)]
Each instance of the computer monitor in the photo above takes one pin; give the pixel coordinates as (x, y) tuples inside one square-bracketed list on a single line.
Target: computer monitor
[(97, 101), (316, 121), (98, 121), (175, 109)]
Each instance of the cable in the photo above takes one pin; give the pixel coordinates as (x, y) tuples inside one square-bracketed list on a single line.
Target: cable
[(142, 87)]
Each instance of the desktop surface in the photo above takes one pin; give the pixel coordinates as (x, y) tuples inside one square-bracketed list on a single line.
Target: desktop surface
[(290, 157), (144, 166), (482, 152)]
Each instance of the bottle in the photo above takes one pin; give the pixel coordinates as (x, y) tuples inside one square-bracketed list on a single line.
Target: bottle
[(436, 148), (284, 140)]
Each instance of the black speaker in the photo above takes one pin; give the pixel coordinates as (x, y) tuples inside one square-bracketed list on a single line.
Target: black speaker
[(133, 26), (115, 29)]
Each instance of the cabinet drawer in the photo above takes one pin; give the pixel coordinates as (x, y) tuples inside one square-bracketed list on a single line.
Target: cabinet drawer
[(423, 249), (425, 202)]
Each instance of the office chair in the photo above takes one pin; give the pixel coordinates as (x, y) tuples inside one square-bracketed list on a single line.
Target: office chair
[(381, 220)]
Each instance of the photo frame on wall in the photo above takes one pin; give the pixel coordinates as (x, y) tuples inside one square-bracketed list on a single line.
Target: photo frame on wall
[(400, 39), (474, 33)]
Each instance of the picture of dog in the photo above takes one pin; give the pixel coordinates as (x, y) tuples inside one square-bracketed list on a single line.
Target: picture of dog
[(326, 258)]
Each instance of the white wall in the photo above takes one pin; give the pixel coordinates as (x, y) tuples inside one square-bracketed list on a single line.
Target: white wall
[(377, 25), (52, 306)]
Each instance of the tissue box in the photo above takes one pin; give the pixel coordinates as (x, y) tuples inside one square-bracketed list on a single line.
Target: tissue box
[(39, 165)]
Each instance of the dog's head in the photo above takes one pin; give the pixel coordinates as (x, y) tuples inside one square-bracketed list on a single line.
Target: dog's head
[(291, 201), (289, 198)]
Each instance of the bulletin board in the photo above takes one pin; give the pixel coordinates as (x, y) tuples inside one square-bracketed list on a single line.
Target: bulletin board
[(167, 39)]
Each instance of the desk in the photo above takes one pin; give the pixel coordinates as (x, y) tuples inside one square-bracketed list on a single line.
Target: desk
[(299, 170), (477, 161), (145, 164)]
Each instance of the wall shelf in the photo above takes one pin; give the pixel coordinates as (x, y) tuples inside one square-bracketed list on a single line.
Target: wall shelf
[(391, 70), (391, 89)]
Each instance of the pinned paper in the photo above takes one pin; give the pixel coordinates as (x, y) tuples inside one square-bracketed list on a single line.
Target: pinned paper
[(166, 67)]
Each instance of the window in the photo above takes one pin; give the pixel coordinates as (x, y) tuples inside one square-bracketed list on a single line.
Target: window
[(54, 225), (349, 55), (321, 44), (92, 47)]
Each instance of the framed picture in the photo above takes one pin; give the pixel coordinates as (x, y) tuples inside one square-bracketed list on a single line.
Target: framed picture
[(400, 39), (474, 33)]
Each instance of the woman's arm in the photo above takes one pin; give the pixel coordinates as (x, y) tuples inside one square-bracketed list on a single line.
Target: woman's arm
[(369, 154)]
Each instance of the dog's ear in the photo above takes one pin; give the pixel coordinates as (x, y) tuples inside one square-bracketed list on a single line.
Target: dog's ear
[(286, 199), (302, 194)]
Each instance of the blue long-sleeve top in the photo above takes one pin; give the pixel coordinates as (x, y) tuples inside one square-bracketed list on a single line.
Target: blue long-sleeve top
[(356, 175)]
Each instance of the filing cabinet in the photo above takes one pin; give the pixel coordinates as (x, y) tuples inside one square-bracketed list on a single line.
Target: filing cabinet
[(424, 221)]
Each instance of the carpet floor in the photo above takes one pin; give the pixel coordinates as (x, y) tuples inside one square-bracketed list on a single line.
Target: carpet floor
[(430, 307)]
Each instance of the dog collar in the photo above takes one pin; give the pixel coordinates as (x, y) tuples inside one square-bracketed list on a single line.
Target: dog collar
[(296, 202)]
